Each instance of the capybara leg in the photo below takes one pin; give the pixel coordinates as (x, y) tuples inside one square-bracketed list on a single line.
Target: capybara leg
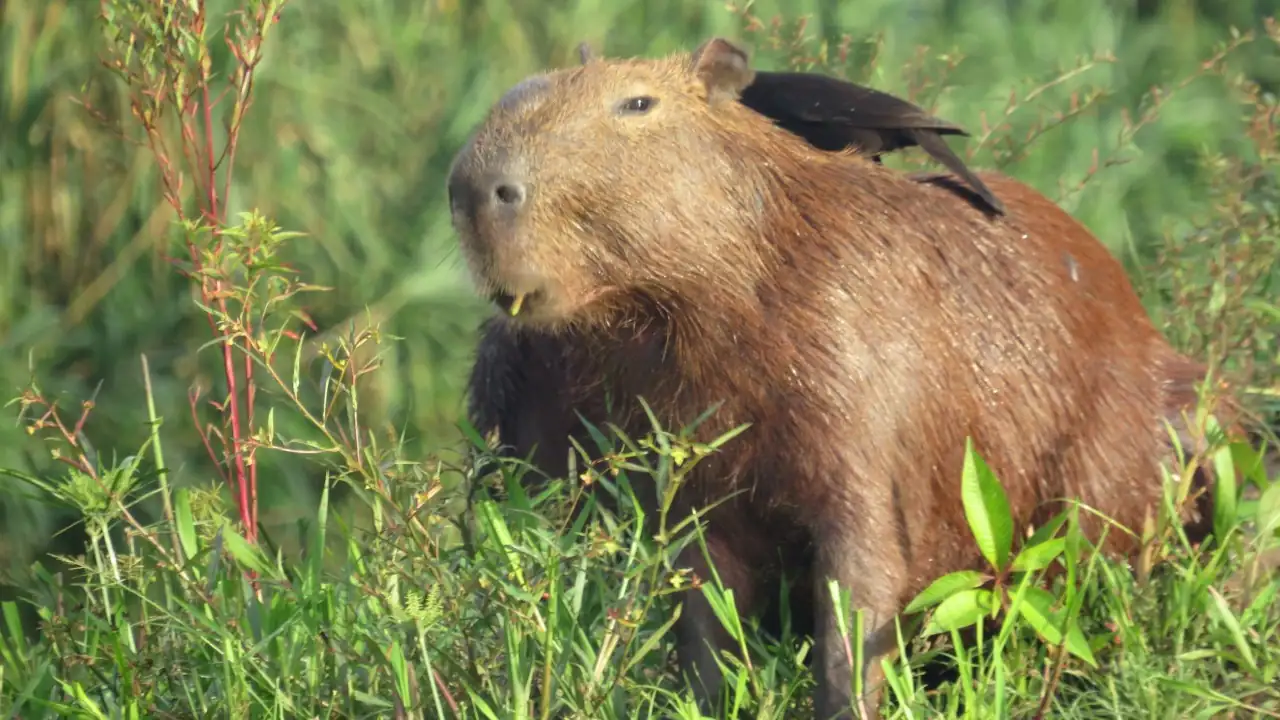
[(873, 587), (700, 637)]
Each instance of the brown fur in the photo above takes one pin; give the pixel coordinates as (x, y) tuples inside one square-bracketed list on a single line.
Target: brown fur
[(863, 321)]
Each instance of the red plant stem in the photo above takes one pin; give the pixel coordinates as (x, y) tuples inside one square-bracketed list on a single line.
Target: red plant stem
[(448, 696), (250, 387), (247, 513), (253, 466)]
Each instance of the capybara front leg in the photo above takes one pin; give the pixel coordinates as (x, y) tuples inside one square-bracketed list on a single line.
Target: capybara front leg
[(700, 636), (699, 639), (873, 584)]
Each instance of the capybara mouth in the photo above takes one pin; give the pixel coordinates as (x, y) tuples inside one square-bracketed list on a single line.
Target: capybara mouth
[(514, 304)]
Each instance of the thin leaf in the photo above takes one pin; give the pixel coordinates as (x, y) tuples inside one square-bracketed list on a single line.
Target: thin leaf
[(1225, 492), (1228, 619), (247, 555), (186, 523)]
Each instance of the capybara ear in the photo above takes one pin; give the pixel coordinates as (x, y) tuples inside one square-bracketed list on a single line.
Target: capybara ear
[(723, 67), (585, 53)]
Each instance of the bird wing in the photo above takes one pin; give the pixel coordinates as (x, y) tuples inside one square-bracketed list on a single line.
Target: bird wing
[(821, 99)]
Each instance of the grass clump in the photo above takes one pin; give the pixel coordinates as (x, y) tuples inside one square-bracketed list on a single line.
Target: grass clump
[(458, 593)]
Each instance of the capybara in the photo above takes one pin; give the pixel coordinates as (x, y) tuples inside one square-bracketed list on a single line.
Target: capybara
[(834, 115), (648, 236)]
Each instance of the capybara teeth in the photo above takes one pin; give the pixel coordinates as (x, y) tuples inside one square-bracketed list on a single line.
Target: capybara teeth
[(516, 304)]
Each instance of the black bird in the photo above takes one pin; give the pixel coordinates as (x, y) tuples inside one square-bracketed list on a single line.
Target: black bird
[(833, 114)]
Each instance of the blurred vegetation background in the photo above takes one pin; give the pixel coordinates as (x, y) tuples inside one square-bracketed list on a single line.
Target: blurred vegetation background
[(359, 108)]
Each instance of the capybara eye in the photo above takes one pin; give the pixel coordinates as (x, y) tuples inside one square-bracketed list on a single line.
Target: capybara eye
[(638, 105)]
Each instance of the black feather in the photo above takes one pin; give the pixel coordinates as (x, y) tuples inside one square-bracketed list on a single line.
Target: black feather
[(832, 115)]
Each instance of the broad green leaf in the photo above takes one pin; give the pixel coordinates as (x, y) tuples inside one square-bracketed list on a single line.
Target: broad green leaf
[(1078, 646), (1037, 609), (944, 587), (986, 508), (1038, 557), (961, 610), (1249, 463)]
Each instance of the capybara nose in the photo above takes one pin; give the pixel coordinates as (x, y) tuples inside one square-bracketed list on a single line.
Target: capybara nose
[(508, 193), (487, 198)]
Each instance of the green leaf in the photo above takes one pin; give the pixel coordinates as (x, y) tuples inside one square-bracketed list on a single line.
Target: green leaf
[(1217, 297), (1037, 609), (641, 654), (247, 555), (986, 508), (1268, 514), (315, 553), (1196, 690), (1249, 463), (1229, 620), (1225, 490), (499, 532), (1078, 646), (731, 434), (186, 523), (31, 480), (1049, 529), (84, 703), (1260, 306), (944, 587), (726, 610), (1038, 557), (13, 652), (965, 608), (401, 670)]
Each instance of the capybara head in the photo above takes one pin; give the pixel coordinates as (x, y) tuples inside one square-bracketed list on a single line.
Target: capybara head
[(608, 181)]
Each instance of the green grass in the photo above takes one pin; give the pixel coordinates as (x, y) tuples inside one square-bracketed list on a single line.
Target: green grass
[(381, 581), (530, 617)]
